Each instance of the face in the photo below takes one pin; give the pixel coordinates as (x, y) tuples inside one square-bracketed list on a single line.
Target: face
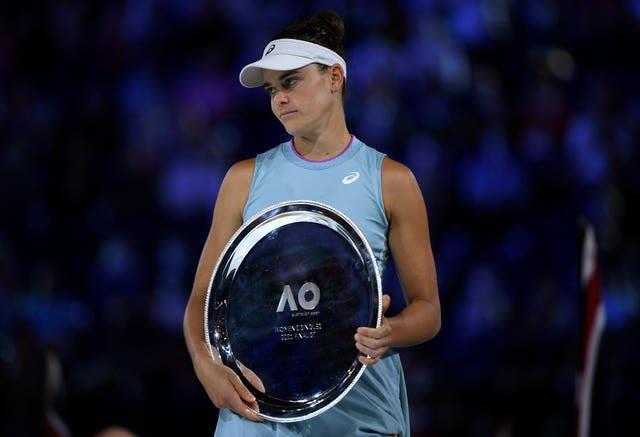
[(303, 100)]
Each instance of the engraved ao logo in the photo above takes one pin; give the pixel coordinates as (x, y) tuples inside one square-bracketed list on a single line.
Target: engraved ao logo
[(308, 297), (350, 178)]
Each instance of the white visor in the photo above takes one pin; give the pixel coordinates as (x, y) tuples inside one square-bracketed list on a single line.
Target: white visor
[(288, 54)]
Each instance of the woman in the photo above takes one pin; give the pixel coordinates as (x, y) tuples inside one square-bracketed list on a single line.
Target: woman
[(304, 73)]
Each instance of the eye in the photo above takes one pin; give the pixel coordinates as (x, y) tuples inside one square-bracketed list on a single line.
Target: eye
[(270, 90), (289, 82)]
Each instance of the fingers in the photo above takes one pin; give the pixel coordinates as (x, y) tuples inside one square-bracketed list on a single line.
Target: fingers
[(243, 392), (244, 404), (386, 301), (373, 343), (371, 353), (368, 361), (248, 411), (374, 336), (251, 377), (227, 391), (383, 330)]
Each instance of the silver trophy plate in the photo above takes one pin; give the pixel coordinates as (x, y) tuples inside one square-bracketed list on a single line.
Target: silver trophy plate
[(284, 302)]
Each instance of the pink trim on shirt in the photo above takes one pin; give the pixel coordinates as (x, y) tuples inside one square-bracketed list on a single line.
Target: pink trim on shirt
[(293, 147)]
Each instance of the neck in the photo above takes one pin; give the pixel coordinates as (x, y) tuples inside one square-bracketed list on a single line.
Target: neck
[(318, 153), (328, 142)]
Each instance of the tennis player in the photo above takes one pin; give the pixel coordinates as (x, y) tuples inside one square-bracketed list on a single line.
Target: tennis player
[(304, 73)]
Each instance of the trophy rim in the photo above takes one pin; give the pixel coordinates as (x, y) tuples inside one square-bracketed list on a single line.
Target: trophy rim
[(274, 409)]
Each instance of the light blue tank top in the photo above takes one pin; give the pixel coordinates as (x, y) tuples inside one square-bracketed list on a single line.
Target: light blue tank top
[(351, 183)]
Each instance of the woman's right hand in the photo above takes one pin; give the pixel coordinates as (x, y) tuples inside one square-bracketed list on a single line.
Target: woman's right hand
[(225, 388)]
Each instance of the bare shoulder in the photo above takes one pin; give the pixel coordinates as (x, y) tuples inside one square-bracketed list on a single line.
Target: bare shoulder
[(399, 186), (234, 190), (241, 171), (394, 172), (237, 181)]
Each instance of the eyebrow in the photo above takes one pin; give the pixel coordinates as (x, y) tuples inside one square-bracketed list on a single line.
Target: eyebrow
[(282, 76)]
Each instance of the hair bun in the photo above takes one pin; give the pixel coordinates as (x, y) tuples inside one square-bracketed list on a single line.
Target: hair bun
[(325, 28), (329, 19)]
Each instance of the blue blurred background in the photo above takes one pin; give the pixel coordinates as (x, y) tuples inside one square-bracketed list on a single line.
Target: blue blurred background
[(118, 120)]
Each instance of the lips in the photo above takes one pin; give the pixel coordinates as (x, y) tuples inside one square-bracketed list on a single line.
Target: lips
[(286, 113)]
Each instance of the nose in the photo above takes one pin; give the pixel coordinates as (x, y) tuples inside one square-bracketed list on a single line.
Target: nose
[(280, 97)]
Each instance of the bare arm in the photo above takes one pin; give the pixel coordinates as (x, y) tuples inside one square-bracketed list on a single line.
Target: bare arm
[(220, 382), (410, 247)]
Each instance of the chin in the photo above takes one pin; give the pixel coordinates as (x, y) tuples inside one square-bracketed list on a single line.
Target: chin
[(291, 130)]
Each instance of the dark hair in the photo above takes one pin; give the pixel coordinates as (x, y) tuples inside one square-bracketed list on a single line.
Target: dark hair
[(324, 28)]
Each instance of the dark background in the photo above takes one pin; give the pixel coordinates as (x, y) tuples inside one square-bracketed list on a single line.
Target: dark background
[(118, 120)]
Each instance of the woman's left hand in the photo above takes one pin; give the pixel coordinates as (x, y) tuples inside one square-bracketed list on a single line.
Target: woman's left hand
[(373, 343)]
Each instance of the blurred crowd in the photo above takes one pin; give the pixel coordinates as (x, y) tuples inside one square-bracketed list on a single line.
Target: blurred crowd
[(118, 120)]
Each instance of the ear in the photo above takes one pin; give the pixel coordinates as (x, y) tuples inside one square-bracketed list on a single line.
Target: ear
[(336, 75)]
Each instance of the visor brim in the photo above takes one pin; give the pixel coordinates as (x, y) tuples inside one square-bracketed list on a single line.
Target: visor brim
[(251, 75)]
